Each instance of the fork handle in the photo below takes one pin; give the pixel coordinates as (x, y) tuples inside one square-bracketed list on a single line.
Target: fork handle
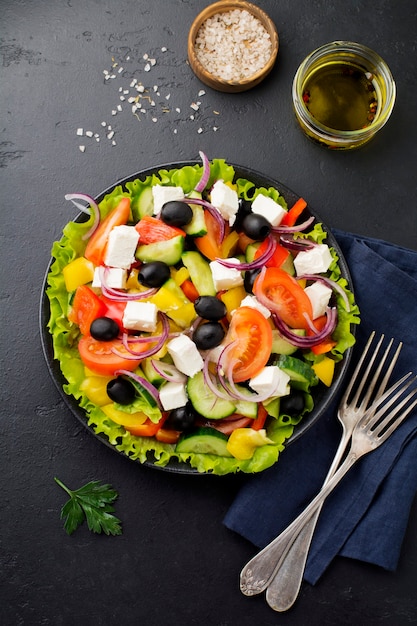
[(258, 572)]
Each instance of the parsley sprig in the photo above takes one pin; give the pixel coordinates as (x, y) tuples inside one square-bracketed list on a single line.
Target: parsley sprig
[(91, 502)]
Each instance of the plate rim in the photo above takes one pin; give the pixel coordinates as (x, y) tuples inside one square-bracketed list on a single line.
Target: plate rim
[(59, 380)]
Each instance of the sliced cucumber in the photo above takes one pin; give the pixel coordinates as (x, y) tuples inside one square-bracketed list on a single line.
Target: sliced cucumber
[(197, 227), (281, 345), (169, 251), (204, 441), (301, 373), (144, 204), (288, 265), (200, 273), (205, 401), (246, 407), (151, 374)]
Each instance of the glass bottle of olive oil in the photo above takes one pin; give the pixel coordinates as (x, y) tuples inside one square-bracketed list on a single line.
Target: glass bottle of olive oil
[(341, 96)]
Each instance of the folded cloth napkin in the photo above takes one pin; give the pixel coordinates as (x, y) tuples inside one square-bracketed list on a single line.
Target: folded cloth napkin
[(366, 516)]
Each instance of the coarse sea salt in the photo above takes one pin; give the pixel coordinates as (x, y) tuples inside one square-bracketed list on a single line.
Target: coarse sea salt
[(233, 45)]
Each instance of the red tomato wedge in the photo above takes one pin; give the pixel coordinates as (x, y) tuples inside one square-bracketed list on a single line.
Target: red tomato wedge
[(283, 295), (99, 358), (151, 230), (115, 310), (210, 244), (96, 247), (86, 307), (252, 336)]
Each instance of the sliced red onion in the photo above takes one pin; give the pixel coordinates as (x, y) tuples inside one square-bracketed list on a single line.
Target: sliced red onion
[(120, 296), (168, 371), (206, 173), (225, 369), (307, 342), (160, 340), (153, 391), (211, 209), (329, 283), (212, 385), (259, 262), (294, 229), (297, 245), (94, 210)]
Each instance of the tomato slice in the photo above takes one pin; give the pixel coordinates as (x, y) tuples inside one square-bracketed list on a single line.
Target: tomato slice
[(151, 230), (285, 296), (115, 310), (96, 247), (327, 344), (86, 307), (277, 259), (210, 244), (252, 336), (99, 358)]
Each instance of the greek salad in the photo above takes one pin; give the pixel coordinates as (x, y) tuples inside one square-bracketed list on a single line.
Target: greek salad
[(193, 315)]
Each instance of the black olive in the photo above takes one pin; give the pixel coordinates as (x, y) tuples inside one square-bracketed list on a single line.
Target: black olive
[(208, 335), (210, 307), (256, 226), (154, 274), (176, 213), (182, 418), (104, 329), (249, 279), (121, 390), (293, 404), (243, 211)]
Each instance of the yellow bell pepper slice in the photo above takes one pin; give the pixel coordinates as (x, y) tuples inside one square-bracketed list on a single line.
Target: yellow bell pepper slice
[(180, 275), (229, 244), (125, 419), (95, 388), (324, 370), (232, 298), (78, 272), (243, 442)]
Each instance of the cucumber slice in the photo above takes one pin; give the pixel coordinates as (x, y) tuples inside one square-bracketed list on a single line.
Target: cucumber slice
[(197, 227), (200, 273), (246, 407), (288, 265), (299, 371), (151, 374), (250, 251), (205, 401), (169, 251), (144, 204), (281, 345), (204, 441)]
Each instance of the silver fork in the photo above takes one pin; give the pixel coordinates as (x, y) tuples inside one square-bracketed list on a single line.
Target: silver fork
[(284, 587), (376, 425)]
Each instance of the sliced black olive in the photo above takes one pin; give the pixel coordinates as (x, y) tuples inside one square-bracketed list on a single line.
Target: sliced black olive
[(210, 307), (121, 390), (176, 213), (208, 335), (104, 329), (293, 404), (249, 279), (243, 211), (154, 274), (256, 226), (182, 418)]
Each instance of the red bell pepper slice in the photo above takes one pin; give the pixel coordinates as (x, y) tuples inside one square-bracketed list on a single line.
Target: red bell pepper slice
[(294, 213)]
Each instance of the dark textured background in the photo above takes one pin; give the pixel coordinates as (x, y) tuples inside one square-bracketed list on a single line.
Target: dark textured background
[(175, 562)]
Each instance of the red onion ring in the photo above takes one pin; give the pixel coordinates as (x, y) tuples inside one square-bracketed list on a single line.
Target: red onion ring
[(297, 245), (293, 229), (259, 262), (211, 209), (160, 340), (153, 391), (168, 371), (205, 175), (307, 342), (94, 210)]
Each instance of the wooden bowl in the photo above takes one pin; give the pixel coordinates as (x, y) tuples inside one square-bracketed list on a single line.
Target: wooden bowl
[(231, 86)]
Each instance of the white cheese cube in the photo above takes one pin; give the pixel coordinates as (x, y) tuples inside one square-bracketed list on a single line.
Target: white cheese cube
[(163, 194), (317, 260), (140, 316), (271, 210), (172, 395), (271, 380), (225, 200), (121, 247), (185, 355), (115, 277), (225, 277), (319, 296), (253, 302)]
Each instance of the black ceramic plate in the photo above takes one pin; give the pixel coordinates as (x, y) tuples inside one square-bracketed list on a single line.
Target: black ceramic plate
[(322, 396)]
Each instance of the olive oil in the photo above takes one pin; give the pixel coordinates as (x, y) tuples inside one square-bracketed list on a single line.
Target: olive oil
[(341, 96)]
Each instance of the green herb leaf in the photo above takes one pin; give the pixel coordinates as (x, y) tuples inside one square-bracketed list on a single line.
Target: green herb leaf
[(91, 502)]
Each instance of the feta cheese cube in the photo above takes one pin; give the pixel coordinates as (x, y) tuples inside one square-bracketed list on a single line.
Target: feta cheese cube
[(271, 380), (225, 200), (271, 210), (253, 302), (314, 261), (163, 194), (115, 277), (121, 246), (185, 355), (172, 395), (319, 296), (140, 316), (225, 277)]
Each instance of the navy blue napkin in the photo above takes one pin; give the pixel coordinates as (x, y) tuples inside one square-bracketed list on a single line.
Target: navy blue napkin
[(366, 516)]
